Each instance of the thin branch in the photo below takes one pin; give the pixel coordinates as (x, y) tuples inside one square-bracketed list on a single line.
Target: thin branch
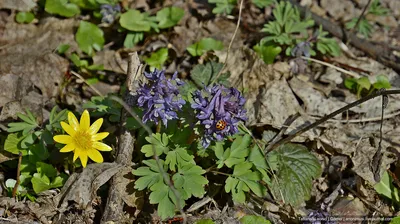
[(330, 116), (90, 86), (230, 44), (14, 192), (355, 75), (360, 18)]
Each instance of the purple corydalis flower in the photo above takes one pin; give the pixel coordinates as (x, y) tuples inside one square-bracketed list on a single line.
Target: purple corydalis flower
[(160, 98), (219, 110), (109, 12)]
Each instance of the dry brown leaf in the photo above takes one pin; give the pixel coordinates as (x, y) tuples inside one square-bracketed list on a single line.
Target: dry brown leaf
[(20, 5), (81, 187)]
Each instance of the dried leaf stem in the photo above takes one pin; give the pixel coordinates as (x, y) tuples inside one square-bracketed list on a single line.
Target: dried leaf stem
[(330, 116)]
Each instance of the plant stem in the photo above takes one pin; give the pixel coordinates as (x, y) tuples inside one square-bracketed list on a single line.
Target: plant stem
[(14, 192)]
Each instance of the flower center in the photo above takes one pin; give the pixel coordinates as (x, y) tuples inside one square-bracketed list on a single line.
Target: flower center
[(83, 140)]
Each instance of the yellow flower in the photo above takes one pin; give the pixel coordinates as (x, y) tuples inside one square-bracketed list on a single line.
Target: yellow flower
[(83, 139)]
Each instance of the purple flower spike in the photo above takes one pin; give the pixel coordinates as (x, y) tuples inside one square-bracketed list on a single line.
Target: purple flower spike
[(160, 97), (219, 110)]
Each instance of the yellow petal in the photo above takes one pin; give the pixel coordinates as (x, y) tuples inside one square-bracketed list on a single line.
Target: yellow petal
[(68, 128), (101, 146), (85, 120), (100, 136), (83, 156), (96, 126), (68, 148), (64, 139), (73, 122), (95, 155), (77, 153)]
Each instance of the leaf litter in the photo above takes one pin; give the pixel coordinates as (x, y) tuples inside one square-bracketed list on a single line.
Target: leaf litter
[(273, 94)]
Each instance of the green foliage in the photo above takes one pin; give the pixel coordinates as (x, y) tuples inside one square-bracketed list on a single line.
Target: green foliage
[(363, 27), (27, 125), (62, 48), (157, 59), (289, 30), (158, 145), (204, 45), (377, 9), (235, 154), (205, 221), (395, 220), (132, 38), (363, 84), (243, 180), (62, 8), (262, 3), (203, 75), (104, 106), (188, 181), (41, 180), (83, 64), (89, 37), (287, 23), (34, 141), (326, 45), (250, 219), (169, 17), (267, 51), (134, 20), (386, 188), (295, 168), (223, 6), (24, 17)]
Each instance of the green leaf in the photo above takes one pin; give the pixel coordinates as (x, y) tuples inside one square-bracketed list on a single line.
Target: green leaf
[(24, 17), (262, 3), (133, 20), (205, 221), (40, 151), (61, 7), (203, 75), (239, 150), (386, 188), (267, 52), (243, 180), (350, 83), (364, 27), (40, 183), (88, 4), (395, 220), (169, 17), (382, 82), (190, 179), (178, 158), (158, 58), (149, 175), (132, 38), (377, 9), (223, 6), (250, 219), (158, 142), (62, 48), (204, 45), (296, 169), (46, 169), (12, 144), (364, 83), (163, 196), (89, 37)]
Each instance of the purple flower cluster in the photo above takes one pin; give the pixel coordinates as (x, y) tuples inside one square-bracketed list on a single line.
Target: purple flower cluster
[(160, 97), (219, 110), (109, 12)]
